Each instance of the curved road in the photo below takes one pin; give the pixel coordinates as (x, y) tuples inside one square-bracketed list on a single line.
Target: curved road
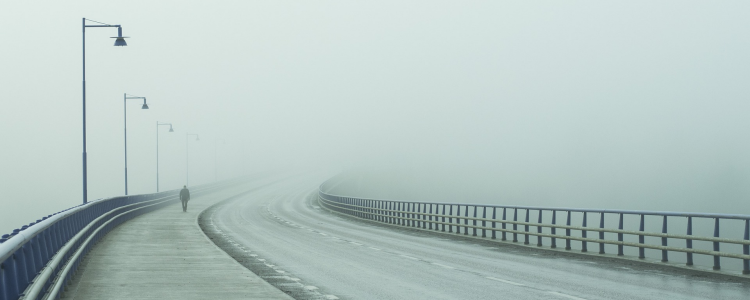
[(282, 226)]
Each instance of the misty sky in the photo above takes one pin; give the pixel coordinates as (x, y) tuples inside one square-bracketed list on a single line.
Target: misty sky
[(623, 104)]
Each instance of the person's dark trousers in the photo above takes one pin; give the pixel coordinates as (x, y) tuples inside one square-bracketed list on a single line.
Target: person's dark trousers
[(184, 205)]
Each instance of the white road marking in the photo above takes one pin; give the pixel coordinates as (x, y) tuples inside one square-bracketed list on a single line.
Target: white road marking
[(322, 233), (280, 271), (409, 257), (332, 297), (355, 243), (311, 287), (444, 266), (505, 281), (373, 248), (566, 296)]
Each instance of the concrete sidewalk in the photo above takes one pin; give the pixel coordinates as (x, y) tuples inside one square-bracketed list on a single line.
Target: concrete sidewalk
[(165, 255)]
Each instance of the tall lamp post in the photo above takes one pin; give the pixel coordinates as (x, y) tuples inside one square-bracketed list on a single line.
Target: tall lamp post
[(157, 150), (187, 170), (125, 110), (119, 41)]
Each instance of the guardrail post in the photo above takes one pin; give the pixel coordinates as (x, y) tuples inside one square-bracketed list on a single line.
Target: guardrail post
[(4, 282), (484, 223), (539, 230), (401, 210), (384, 206), (13, 276), (552, 229), (601, 233), (526, 228), (458, 219), (664, 253), (466, 220), (419, 215), (641, 251), (567, 233), (717, 259), (584, 247), (410, 221), (619, 238), (515, 226), (503, 225), (494, 214), (430, 215), (746, 249), (450, 218), (443, 218), (689, 242), (475, 221)]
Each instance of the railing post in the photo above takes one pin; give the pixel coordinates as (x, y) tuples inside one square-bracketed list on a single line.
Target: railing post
[(584, 247), (4, 282), (381, 206), (409, 215), (515, 226), (401, 210), (494, 214), (430, 215), (601, 233), (450, 218), (620, 247), (443, 218), (503, 225), (539, 230), (475, 221), (466, 220), (458, 220), (484, 223), (419, 215), (424, 217), (641, 250), (746, 249), (526, 228), (553, 229), (567, 233), (689, 242), (717, 259), (664, 254)]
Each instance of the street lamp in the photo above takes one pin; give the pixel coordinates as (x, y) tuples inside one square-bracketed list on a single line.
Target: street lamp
[(120, 41), (187, 173), (125, 110), (157, 150)]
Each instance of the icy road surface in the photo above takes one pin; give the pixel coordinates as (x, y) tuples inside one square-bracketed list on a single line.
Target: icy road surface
[(285, 228)]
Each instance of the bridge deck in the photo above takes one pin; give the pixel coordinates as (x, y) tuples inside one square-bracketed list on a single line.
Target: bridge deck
[(165, 255)]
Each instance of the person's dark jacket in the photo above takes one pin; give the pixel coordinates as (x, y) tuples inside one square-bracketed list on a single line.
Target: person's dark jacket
[(184, 194)]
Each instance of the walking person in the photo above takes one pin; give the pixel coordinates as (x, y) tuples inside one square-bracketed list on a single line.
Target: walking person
[(184, 197)]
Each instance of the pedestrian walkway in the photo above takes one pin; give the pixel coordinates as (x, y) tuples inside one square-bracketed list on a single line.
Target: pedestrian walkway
[(165, 255)]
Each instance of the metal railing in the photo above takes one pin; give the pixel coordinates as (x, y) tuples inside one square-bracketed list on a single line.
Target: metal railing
[(491, 221), (37, 260)]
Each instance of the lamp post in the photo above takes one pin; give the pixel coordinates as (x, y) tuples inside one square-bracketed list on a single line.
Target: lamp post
[(157, 150), (120, 41), (125, 110), (187, 173)]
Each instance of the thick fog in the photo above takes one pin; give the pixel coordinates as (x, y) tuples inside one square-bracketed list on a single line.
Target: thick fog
[(634, 105)]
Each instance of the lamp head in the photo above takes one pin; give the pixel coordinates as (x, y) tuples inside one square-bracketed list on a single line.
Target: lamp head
[(196, 138), (170, 128), (145, 106), (120, 40)]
